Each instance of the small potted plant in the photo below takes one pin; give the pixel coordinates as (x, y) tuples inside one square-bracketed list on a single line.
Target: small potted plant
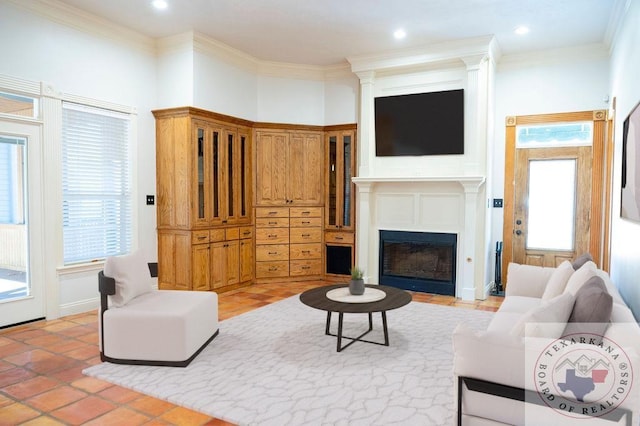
[(356, 285)]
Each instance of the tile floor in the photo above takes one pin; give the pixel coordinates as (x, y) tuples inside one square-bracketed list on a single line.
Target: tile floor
[(41, 380)]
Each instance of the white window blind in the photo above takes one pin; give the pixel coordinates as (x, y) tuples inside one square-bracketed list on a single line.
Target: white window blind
[(96, 183)]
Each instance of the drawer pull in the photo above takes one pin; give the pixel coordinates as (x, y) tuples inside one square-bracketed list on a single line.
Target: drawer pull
[(272, 268), (306, 267), (339, 238), (202, 237), (273, 252), (246, 233), (307, 212), (305, 222), (306, 235), (272, 236), (272, 213), (273, 223), (306, 251)]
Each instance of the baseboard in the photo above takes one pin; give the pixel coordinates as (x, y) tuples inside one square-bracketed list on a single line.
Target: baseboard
[(468, 294), (79, 307)]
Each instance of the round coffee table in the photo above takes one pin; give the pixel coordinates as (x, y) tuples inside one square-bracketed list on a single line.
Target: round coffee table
[(393, 298)]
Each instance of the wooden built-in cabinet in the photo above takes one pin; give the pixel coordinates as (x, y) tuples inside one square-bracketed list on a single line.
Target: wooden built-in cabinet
[(215, 173), (288, 242), (289, 168), (340, 164), (204, 199)]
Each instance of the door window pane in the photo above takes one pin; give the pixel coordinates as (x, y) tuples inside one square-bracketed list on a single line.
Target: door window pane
[(551, 205), (22, 106), (552, 135)]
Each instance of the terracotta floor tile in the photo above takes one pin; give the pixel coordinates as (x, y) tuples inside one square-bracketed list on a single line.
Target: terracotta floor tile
[(85, 352), (55, 398), (120, 416), (83, 410), (90, 338), (31, 387), (27, 334), (27, 357), (218, 422), (91, 385), (16, 413), (43, 421), (66, 345), (13, 348), (78, 330), (185, 417), (68, 375), (58, 325), (119, 394), (49, 365), (152, 406), (5, 366), (14, 375), (4, 401)]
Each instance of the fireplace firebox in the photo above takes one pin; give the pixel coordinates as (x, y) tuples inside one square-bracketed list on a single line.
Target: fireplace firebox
[(418, 261)]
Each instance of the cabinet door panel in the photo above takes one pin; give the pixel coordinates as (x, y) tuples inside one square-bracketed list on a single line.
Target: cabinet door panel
[(218, 264), (272, 158), (306, 165), (232, 251), (200, 269), (246, 260)]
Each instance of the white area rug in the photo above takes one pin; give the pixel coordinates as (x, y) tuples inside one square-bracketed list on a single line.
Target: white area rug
[(275, 366)]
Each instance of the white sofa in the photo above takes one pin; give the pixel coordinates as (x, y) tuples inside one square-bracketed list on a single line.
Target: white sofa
[(141, 325), (501, 373)]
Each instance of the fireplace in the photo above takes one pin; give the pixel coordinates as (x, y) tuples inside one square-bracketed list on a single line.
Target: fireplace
[(418, 261)]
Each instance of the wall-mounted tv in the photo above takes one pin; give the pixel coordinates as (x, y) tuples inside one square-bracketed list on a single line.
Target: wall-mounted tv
[(420, 124)]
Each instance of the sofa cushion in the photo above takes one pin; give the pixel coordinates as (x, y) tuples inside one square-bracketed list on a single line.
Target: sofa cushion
[(558, 280), (132, 277), (592, 310), (580, 277), (581, 260), (547, 320)]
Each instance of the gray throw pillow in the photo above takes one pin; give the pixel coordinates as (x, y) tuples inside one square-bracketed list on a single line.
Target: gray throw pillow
[(581, 260), (592, 310)]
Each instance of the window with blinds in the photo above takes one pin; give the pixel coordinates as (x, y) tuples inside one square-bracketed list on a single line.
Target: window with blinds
[(96, 183)]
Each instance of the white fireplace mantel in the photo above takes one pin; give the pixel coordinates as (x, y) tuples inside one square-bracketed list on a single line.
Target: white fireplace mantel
[(406, 203), (465, 181)]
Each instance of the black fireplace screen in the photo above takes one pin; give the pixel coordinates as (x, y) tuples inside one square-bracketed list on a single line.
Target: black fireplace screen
[(420, 261)]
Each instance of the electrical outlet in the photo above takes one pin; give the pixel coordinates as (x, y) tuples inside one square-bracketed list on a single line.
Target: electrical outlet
[(497, 203), (151, 200)]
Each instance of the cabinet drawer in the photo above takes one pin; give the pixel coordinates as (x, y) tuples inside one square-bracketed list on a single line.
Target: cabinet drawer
[(306, 235), (306, 251), (306, 212), (272, 212), (297, 222), (305, 267), (338, 237), (272, 269), (272, 222), (200, 237), (216, 235), (271, 252), (232, 233), (272, 236), (246, 232)]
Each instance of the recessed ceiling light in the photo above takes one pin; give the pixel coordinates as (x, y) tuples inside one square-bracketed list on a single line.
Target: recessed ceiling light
[(399, 34), (521, 30), (160, 4)]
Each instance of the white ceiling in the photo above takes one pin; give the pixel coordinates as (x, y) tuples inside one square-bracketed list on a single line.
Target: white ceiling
[(326, 32)]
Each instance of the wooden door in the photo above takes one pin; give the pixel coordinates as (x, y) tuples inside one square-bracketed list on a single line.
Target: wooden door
[(217, 252), (232, 254), (552, 205), (566, 208), (272, 158), (306, 166)]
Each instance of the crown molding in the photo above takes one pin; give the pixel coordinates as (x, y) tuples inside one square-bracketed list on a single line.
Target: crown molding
[(616, 20), (555, 56), (61, 13), (445, 52)]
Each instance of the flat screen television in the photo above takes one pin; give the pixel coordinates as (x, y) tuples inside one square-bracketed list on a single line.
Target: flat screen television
[(420, 124), (630, 185)]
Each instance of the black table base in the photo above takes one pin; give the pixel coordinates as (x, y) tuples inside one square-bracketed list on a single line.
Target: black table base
[(340, 336)]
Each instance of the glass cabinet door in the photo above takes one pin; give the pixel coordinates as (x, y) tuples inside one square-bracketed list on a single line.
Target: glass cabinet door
[(215, 175), (340, 163), (245, 177), (201, 173)]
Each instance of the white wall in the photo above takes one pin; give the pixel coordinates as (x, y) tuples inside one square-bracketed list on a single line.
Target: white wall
[(341, 97), (294, 101), (625, 86), (548, 82), (108, 69)]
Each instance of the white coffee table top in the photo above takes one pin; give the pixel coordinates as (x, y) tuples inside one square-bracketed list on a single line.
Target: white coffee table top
[(342, 295)]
